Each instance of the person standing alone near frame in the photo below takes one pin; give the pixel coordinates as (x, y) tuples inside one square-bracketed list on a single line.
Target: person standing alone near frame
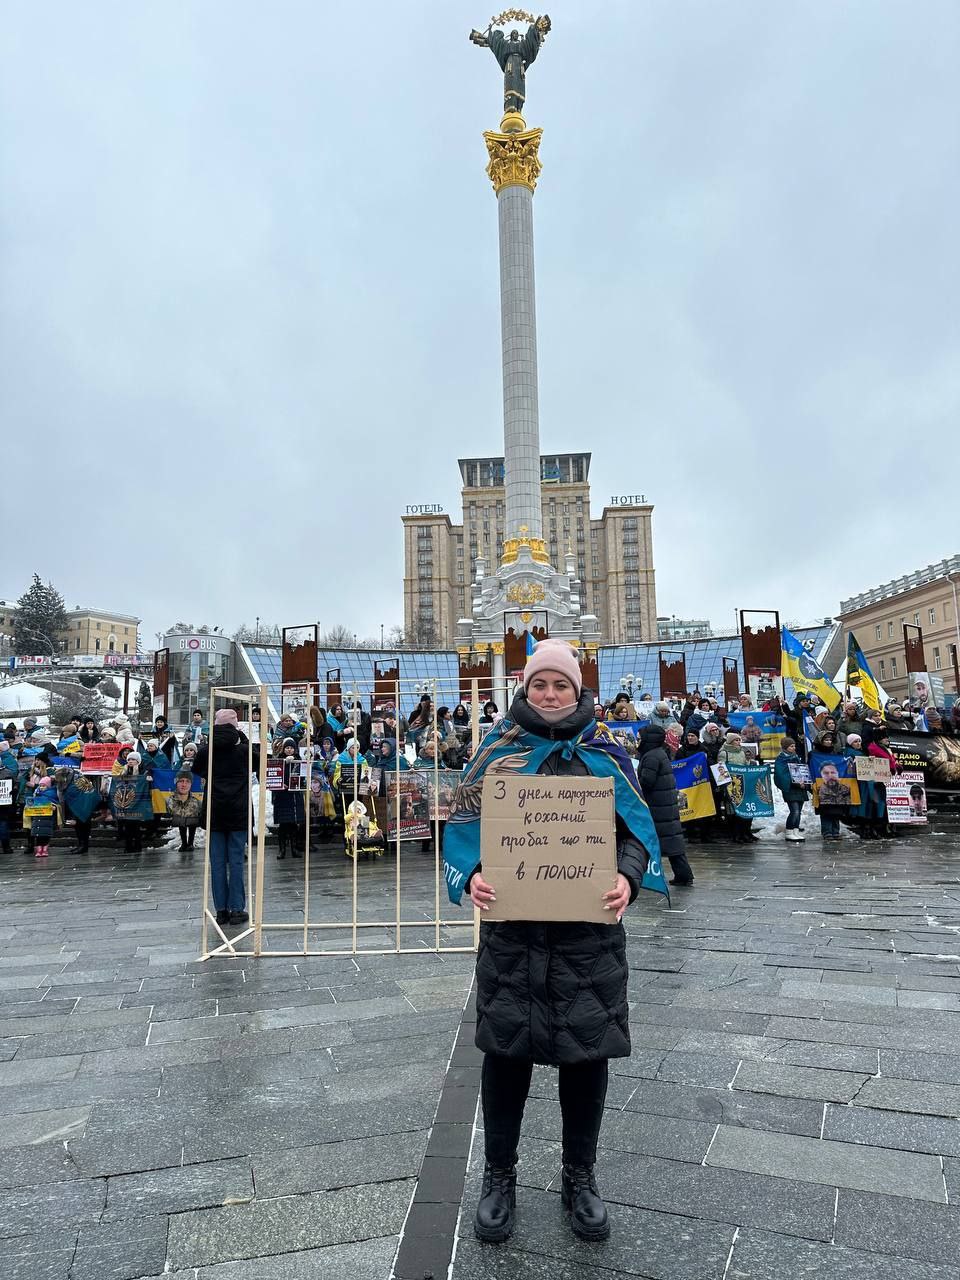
[(550, 993), (228, 795)]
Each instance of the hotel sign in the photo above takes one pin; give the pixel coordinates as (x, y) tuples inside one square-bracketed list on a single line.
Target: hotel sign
[(629, 500), (425, 509)]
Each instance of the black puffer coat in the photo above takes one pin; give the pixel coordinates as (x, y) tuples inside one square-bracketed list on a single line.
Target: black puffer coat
[(659, 787), (229, 791), (557, 993)]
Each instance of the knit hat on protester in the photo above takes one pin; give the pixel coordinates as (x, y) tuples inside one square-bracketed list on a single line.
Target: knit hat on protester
[(226, 715), (553, 655)]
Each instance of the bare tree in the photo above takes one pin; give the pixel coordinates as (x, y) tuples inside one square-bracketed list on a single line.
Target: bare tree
[(338, 637)]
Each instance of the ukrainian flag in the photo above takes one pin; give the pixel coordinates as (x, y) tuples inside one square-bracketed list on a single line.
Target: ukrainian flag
[(694, 792), (164, 783), (860, 675), (531, 645), (807, 675)]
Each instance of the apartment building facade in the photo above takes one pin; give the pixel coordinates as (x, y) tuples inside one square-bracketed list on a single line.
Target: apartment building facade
[(927, 598)]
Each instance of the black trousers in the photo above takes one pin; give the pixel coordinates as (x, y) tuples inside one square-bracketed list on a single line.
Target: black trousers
[(83, 830), (505, 1083)]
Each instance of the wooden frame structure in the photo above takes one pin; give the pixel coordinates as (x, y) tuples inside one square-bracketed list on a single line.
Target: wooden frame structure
[(250, 940)]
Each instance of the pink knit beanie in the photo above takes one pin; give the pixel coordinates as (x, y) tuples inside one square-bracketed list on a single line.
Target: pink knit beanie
[(226, 715), (553, 655)]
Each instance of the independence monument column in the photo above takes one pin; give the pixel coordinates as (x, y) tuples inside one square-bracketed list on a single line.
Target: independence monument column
[(524, 592), (513, 169)]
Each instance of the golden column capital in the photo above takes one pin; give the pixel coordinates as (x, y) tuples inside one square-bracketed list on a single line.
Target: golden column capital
[(514, 159)]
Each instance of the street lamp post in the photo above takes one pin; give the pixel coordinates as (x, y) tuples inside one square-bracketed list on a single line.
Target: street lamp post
[(42, 635)]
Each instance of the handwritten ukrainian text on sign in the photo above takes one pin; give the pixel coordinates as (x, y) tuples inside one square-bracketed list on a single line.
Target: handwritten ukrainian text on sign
[(549, 847), (872, 769)]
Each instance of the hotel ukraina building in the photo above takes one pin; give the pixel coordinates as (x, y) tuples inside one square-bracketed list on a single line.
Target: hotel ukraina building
[(613, 555)]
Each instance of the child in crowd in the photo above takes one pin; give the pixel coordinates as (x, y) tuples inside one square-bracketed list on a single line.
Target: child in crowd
[(794, 793)]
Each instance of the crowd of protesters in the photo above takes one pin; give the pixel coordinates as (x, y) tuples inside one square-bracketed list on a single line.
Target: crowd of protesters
[(345, 744)]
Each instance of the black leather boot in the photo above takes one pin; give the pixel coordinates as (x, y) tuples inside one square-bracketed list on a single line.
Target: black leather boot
[(581, 1199), (497, 1207)]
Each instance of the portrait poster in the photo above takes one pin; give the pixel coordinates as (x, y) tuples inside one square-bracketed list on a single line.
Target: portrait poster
[(799, 774), (275, 776), (721, 774), (441, 796), (294, 775), (907, 799), (834, 781), (408, 806)]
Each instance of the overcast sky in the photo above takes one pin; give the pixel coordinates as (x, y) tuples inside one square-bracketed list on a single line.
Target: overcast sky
[(249, 293)]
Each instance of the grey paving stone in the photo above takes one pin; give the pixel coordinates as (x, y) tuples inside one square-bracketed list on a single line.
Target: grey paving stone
[(120, 1250), (932, 1134), (951, 1175), (799, 1082), (903, 1065), (370, 1086), (339, 1164), (68, 1043), (363, 1260), (831, 1057), (173, 1190), (730, 1107), (840, 992), (642, 1243), (148, 1058), (911, 1095), (288, 1225), (721, 1195), (31, 1071), (928, 1000), (41, 1208), (78, 1092), (760, 1256), (39, 1257), (27, 1165), (890, 1224), (37, 1127), (706, 1070), (836, 1164)]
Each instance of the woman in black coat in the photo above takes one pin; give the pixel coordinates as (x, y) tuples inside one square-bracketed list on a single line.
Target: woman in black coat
[(228, 795), (552, 993), (659, 787)]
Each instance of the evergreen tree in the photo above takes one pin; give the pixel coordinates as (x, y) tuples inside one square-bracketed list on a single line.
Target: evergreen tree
[(41, 619)]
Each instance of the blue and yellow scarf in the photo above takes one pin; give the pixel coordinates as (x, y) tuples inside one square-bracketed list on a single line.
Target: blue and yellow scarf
[(509, 749)]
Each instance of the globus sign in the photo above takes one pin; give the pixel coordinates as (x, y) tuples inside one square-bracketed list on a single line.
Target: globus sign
[(198, 644)]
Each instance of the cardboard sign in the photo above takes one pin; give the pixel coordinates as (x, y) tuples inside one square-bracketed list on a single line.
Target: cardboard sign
[(100, 757), (549, 847), (872, 769), (6, 791), (907, 799)]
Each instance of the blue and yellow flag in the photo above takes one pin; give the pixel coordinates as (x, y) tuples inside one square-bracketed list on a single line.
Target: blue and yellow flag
[(531, 645), (764, 728), (859, 674), (807, 675), (164, 782), (694, 792)]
